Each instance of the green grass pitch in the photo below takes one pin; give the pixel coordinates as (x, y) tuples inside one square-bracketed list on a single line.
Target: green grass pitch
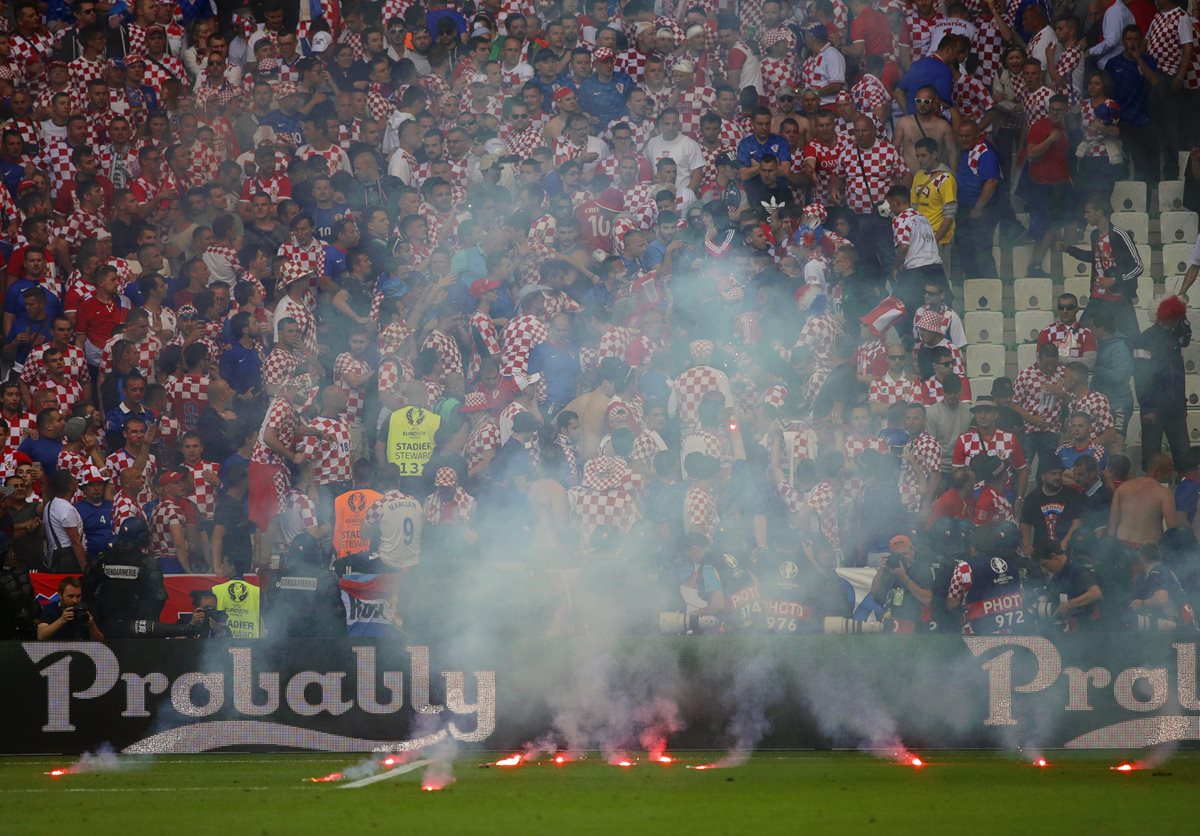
[(810, 792)]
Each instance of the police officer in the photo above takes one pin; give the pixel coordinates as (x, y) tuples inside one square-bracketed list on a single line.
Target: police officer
[(18, 604), (304, 599), (987, 587), (126, 587), (904, 587)]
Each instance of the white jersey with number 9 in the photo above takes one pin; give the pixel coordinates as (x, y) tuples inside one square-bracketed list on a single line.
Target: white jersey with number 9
[(400, 531)]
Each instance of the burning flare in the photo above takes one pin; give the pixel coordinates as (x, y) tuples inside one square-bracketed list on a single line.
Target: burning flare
[(332, 776), (665, 759), (511, 760), (1125, 767), (58, 773), (1041, 762)]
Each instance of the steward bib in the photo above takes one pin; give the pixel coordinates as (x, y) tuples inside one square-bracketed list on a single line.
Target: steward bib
[(349, 509), (240, 601), (410, 438)]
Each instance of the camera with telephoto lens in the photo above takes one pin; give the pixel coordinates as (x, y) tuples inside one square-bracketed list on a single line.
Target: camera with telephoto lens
[(836, 625), (1044, 609), (158, 630), (678, 624), (1154, 624)]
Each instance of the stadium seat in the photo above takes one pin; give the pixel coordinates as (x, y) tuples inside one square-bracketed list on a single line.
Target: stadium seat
[(1026, 356), (985, 360), (1177, 227), (1074, 267), (1170, 195), (983, 327), (1133, 431), (1081, 286), (982, 294), (1033, 294), (1028, 324), (1144, 318), (1147, 255), (1021, 259), (1193, 425), (1191, 357), (1137, 223), (1176, 259), (1147, 291), (1191, 385), (981, 385), (1129, 196)]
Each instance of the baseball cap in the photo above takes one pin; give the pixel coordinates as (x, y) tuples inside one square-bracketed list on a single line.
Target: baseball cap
[(76, 427), (481, 286), (169, 477), (898, 542)]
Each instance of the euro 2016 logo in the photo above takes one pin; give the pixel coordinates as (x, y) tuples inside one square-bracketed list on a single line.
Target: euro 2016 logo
[(238, 591), (415, 417)]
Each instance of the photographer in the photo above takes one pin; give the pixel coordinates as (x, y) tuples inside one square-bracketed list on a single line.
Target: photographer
[(1073, 585), (987, 587), (1156, 595), (70, 619), (206, 620), (903, 587)]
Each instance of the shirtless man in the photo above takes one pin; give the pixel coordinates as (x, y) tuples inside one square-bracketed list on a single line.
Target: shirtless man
[(926, 122), (592, 407), (1142, 508)]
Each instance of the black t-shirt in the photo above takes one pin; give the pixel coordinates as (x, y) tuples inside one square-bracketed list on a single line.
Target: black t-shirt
[(1050, 516), (72, 631), (236, 546), (1075, 579)]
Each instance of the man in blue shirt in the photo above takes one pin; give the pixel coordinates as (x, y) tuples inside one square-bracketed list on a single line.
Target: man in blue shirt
[(96, 511), (933, 71), (45, 448), (131, 408), (752, 148), (558, 361), (603, 94), (241, 364), (979, 201), (1133, 75), (343, 239), (30, 328)]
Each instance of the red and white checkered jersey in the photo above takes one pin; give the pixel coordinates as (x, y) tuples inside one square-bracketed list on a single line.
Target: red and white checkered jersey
[(933, 393), (917, 30), (521, 334), (311, 257), (330, 456), (889, 390), (484, 331), (20, 427), (1073, 341), (457, 509), (122, 460), (447, 351), (591, 509), (700, 511), (925, 453), (1000, 443), (280, 364), (879, 166), (56, 159), (35, 367), (126, 507), (146, 190), (335, 158), (1029, 393), (869, 93), (393, 372), (484, 439), (1169, 31), (633, 62), (68, 391), (854, 445), (203, 494), (992, 507), (690, 388), (782, 73), (989, 49), (1095, 404), (283, 418), (819, 70), (189, 396), (78, 226), (166, 513), (693, 103), (523, 144), (825, 158), (972, 97), (1036, 104), (870, 360), (161, 70), (347, 364), (819, 333), (1069, 66), (82, 70)]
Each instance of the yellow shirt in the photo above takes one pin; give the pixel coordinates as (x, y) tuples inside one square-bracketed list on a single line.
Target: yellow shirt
[(240, 601), (931, 191), (410, 438)]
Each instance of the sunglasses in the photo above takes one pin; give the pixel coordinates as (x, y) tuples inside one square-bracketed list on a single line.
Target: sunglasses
[(923, 101)]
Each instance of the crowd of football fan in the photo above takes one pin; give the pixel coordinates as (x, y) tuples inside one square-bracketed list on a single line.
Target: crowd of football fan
[(650, 290)]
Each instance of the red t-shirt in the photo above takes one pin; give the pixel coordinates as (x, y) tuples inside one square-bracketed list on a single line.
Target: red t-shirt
[(97, 320), (951, 505), (595, 226), (16, 262), (872, 28), (1052, 166)]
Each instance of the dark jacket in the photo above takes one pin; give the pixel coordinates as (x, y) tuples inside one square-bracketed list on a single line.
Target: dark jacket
[(1158, 371), (1128, 263), (1114, 368)]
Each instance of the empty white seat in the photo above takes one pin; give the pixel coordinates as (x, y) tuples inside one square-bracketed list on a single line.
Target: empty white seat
[(1022, 260), (1136, 224), (1193, 426), (1144, 318), (1177, 227), (1146, 253), (1129, 196), (981, 385), (1191, 385), (1026, 356), (983, 327), (1133, 431), (1147, 291), (1033, 294), (1075, 268), (1176, 260), (984, 360), (1170, 195), (1191, 357), (1081, 286), (982, 294), (1028, 324)]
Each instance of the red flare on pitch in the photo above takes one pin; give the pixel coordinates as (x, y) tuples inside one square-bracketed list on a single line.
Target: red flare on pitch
[(704, 766), (1041, 762), (332, 776), (390, 761), (560, 759), (1125, 767), (665, 759), (58, 773), (915, 761), (624, 763), (511, 760)]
